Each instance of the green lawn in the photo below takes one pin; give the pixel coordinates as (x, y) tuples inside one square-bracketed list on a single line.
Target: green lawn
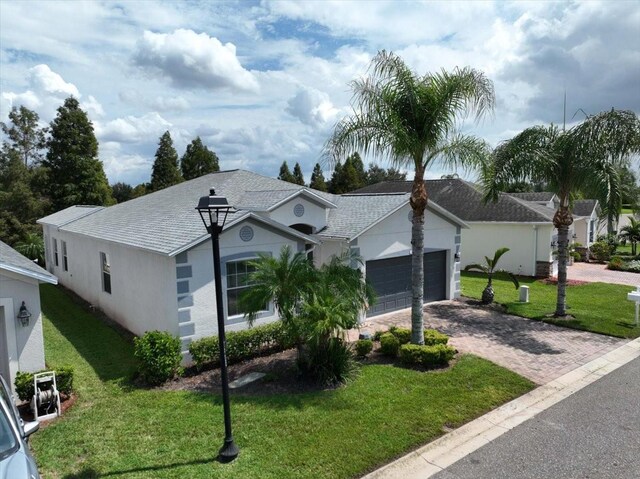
[(626, 211), (597, 307), (117, 430)]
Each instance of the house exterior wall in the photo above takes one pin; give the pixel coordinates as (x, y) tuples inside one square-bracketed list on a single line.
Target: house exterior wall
[(311, 213), (196, 306), (582, 227), (143, 284), (25, 344), (484, 238)]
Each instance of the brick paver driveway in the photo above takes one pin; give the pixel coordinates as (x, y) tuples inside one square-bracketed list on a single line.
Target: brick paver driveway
[(593, 272), (536, 350)]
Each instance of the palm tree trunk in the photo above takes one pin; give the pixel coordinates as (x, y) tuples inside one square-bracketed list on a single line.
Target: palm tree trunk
[(418, 204), (562, 220)]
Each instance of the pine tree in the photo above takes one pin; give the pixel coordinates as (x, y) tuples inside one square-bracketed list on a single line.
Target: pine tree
[(25, 135), (165, 170), (75, 174), (198, 160), (335, 183), (317, 179), (122, 192), (298, 177), (285, 173), (376, 174)]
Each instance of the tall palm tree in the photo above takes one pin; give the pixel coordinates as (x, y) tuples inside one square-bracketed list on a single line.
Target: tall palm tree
[(631, 233), (413, 121), (582, 158)]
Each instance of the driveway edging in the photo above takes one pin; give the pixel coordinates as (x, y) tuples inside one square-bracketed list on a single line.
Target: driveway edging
[(441, 453)]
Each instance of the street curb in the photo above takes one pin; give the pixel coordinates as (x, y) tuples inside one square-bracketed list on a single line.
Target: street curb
[(441, 453)]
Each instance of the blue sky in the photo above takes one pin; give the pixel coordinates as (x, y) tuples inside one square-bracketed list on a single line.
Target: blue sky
[(262, 82)]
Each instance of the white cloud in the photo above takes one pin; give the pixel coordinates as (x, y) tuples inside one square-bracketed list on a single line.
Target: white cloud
[(125, 167), (193, 60), (133, 129), (44, 80), (312, 107)]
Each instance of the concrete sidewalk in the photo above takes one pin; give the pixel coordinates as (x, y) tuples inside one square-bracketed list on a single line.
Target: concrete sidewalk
[(437, 455)]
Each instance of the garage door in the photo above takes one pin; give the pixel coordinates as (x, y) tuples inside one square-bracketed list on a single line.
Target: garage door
[(391, 279)]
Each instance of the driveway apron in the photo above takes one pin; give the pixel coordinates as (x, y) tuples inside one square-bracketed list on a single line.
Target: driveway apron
[(536, 350), (593, 272)]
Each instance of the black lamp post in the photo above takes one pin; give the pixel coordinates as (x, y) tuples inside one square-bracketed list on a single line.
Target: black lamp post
[(213, 210)]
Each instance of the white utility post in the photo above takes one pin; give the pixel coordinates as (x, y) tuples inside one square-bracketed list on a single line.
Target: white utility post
[(635, 296)]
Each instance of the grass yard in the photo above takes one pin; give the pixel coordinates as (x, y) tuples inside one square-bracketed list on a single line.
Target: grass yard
[(117, 430), (597, 307)]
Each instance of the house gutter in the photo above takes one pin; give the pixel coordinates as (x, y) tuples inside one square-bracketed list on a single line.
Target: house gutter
[(535, 248)]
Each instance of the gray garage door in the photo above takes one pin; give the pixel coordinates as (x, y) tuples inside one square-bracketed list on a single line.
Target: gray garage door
[(391, 279)]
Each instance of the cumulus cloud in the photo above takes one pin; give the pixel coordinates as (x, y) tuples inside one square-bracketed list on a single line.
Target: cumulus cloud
[(194, 60), (312, 107), (133, 129), (127, 167), (43, 79)]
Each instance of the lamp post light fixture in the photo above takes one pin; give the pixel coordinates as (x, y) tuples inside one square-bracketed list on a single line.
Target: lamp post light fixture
[(213, 210), (24, 315)]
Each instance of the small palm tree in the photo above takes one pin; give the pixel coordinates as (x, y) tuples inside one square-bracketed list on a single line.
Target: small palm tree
[(413, 121), (489, 268), (32, 247), (631, 233)]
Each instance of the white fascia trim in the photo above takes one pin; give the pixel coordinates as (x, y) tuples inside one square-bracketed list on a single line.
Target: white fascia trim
[(31, 274), (90, 212), (446, 213), (382, 218), (305, 192)]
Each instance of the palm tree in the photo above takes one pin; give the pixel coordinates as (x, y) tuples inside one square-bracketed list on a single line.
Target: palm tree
[(490, 269), (412, 120), (582, 158), (631, 233), (32, 247)]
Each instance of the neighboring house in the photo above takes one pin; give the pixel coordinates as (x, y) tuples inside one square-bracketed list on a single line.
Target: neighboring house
[(21, 346), (585, 221), (521, 222), (147, 263)]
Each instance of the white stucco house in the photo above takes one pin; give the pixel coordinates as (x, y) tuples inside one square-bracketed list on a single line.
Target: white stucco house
[(522, 222), (21, 345), (585, 221), (147, 263)]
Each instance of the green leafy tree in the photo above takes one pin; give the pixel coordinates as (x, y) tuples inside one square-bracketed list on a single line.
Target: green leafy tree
[(298, 177), (75, 174), (121, 192), (582, 158), (165, 170), (285, 173), (631, 233), (141, 190), (490, 268), (25, 135), (198, 160), (377, 174), (317, 179), (32, 246), (412, 121)]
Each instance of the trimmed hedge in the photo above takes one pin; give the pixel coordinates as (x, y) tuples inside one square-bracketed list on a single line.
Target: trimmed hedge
[(241, 345), (433, 337), (427, 356), (389, 344), (159, 356), (403, 334), (24, 382), (363, 347)]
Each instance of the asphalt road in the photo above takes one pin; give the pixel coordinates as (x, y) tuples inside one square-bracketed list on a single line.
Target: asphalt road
[(593, 434)]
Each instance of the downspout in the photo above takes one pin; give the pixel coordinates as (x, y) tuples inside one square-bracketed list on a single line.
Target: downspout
[(535, 248)]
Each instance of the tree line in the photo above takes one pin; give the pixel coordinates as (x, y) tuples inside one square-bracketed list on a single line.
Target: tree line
[(346, 177), (46, 169)]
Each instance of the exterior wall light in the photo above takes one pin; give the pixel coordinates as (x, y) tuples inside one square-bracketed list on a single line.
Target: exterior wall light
[(24, 315)]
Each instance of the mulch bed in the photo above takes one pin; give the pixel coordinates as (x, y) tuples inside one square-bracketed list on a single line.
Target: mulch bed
[(570, 282), (65, 403)]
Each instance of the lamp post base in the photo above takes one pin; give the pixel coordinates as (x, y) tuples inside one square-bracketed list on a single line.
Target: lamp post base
[(229, 451)]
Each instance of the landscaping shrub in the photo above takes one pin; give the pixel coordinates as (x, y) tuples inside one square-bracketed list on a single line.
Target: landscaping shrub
[(241, 345), (377, 334), (617, 263), (389, 344), (330, 363), (633, 266), (433, 337), (427, 356), (159, 357), (363, 347), (403, 334), (24, 382), (601, 251)]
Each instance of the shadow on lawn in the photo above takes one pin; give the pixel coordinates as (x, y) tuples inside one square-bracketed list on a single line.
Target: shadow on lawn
[(91, 473), (105, 348)]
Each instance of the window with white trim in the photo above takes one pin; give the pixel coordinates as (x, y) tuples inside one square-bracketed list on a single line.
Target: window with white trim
[(65, 262), (237, 283), (55, 252), (106, 272)]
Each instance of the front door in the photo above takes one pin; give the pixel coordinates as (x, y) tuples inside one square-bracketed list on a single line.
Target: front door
[(4, 349)]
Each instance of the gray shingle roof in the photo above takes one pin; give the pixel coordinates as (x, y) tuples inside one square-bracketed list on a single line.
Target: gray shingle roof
[(465, 200), (584, 207), (166, 221), (11, 260), (69, 214), (535, 196)]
